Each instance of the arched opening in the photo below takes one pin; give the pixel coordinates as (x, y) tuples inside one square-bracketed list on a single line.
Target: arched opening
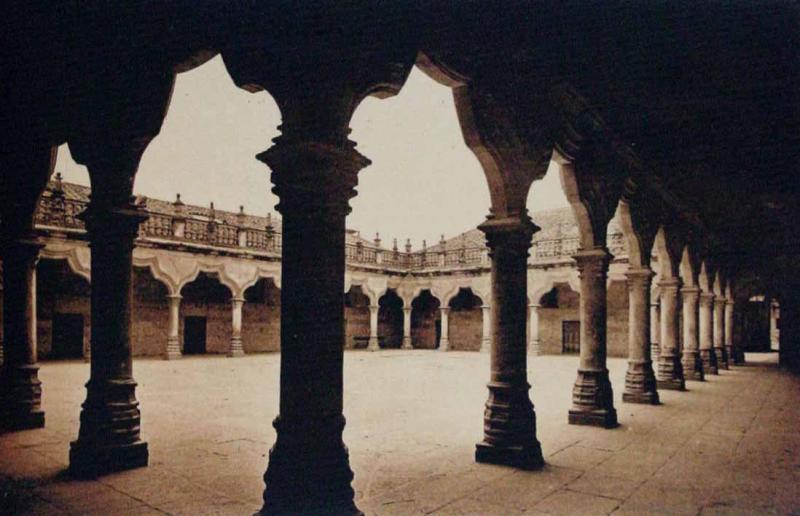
[(426, 321), (150, 314), (465, 321), (63, 299), (205, 322), (356, 318), (390, 320), (261, 317), (559, 320)]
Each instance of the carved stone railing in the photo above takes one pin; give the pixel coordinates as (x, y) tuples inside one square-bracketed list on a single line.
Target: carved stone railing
[(56, 212)]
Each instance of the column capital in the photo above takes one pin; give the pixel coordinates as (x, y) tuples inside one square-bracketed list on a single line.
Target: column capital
[(512, 233), (707, 297), (174, 296), (486, 307), (639, 272), (690, 292), (595, 259), (444, 309), (120, 221), (720, 301), (669, 284), (237, 299), (374, 307), (407, 309)]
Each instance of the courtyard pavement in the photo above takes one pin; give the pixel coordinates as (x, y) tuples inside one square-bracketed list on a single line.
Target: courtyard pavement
[(730, 445)]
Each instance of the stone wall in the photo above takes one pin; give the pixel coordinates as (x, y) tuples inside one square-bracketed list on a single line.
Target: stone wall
[(617, 319), (59, 291), (466, 329)]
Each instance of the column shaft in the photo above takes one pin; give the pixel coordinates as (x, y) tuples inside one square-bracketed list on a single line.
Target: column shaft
[(173, 342), (109, 432), (20, 387), (236, 348), (670, 372), (407, 328), (655, 330), (373, 345), (534, 344), (592, 396), (314, 176), (690, 358), (640, 380), (509, 428), (486, 331), (707, 355), (444, 339), (729, 331), (719, 333)]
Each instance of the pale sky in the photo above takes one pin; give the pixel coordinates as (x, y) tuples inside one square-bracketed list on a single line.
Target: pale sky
[(423, 180)]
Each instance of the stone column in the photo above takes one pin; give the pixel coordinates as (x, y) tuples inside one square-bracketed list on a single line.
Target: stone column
[(640, 380), (670, 372), (373, 345), (707, 355), (690, 359), (729, 330), (592, 397), (20, 387), (314, 169), (173, 333), (407, 328), (486, 335), (444, 340), (109, 432), (534, 345), (655, 330), (236, 349), (509, 428), (719, 332)]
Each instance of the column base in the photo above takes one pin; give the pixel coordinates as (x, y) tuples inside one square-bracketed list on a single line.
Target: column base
[(406, 343), (708, 358), (173, 351), (535, 348), (20, 398), (730, 355), (670, 373), (593, 400), (655, 351), (486, 345), (236, 349), (444, 345), (89, 460), (509, 427), (722, 358), (640, 384), (373, 345), (309, 469), (692, 366)]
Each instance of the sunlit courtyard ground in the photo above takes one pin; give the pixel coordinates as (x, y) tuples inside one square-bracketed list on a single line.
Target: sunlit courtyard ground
[(729, 445)]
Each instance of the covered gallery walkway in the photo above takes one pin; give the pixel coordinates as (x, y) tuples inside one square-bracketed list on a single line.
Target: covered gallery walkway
[(729, 445)]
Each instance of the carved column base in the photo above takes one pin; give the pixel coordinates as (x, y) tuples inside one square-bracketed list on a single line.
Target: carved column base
[(373, 345), (593, 400), (640, 384), (486, 345), (722, 358), (236, 349), (509, 428), (535, 348), (670, 373), (173, 349), (655, 352), (21, 398), (444, 345), (108, 440), (407, 343), (692, 366), (709, 360), (309, 469), (730, 354)]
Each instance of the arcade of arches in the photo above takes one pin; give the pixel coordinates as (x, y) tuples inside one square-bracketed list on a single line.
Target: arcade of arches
[(677, 156)]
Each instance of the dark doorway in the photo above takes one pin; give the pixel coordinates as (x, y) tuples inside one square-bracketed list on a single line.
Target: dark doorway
[(67, 336), (570, 336), (194, 335)]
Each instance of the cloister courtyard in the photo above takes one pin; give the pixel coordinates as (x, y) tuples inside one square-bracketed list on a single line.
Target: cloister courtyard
[(728, 445)]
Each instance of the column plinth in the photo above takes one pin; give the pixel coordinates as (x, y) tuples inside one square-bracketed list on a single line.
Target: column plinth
[(719, 333), (173, 350), (707, 355), (670, 370), (314, 176), (690, 357), (108, 439), (509, 428), (407, 328), (592, 396), (374, 344), (20, 387), (640, 379)]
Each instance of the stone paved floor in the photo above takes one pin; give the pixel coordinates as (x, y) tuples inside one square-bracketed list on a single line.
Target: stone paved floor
[(728, 446)]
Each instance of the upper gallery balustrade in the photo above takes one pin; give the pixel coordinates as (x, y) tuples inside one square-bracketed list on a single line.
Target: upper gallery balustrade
[(203, 229)]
